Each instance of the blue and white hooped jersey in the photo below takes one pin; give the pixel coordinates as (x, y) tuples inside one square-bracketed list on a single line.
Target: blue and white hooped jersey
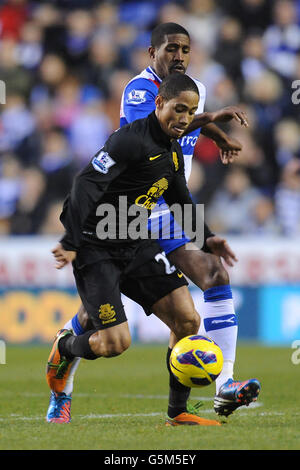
[(138, 101)]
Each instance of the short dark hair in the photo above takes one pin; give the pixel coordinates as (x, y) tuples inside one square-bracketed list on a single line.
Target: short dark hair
[(163, 29), (174, 84)]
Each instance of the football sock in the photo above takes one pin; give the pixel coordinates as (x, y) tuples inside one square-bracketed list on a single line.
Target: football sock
[(219, 322), (74, 325), (72, 346), (178, 393)]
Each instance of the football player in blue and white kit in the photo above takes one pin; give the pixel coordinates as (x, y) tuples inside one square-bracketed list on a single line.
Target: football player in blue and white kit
[(169, 52)]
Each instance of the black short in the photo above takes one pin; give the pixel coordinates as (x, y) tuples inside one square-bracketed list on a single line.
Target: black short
[(142, 272)]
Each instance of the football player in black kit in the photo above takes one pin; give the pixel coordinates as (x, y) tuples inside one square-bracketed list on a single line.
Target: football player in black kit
[(140, 161)]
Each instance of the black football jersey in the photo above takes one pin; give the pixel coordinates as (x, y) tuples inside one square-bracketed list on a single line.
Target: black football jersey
[(138, 165)]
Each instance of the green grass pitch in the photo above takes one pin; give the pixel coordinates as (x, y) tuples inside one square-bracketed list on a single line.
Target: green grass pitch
[(120, 403)]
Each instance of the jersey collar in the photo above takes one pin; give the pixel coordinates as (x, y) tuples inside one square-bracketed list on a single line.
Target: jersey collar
[(150, 69)]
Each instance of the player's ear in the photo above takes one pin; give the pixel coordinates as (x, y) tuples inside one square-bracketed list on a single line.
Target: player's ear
[(151, 51)]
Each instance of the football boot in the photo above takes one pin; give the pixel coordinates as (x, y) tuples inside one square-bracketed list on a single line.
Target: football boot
[(233, 394), (59, 410), (58, 367)]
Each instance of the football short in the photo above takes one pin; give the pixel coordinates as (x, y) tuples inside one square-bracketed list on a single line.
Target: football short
[(169, 234), (142, 272)]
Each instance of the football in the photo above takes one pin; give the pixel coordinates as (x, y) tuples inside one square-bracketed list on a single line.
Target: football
[(196, 361)]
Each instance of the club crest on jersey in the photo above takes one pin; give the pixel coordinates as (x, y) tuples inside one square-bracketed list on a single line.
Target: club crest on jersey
[(175, 160), (136, 96), (107, 313), (102, 162)]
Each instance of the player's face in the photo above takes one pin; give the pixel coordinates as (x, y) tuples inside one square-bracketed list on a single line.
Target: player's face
[(176, 114), (172, 56)]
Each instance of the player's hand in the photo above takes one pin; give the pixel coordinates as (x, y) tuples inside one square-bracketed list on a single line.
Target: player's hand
[(229, 150), (220, 247), (62, 257), (228, 113)]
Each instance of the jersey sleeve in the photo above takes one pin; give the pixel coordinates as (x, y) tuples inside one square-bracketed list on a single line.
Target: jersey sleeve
[(139, 99)]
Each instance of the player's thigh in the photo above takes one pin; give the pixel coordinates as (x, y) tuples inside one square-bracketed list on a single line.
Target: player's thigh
[(98, 287), (148, 280), (204, 269), (178, 312)]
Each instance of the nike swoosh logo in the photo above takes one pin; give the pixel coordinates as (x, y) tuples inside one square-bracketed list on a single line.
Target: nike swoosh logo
[(230, 320), (156, 156), (179, 274)]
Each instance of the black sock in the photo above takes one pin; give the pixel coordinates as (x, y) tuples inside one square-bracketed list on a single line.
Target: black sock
[(72, 346), (178, 393)]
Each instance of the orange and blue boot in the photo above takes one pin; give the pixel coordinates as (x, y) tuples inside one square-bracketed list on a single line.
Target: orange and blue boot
[(59, 410), (58, 366)]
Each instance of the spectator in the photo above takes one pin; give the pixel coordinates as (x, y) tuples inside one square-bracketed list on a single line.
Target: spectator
[(262, 220), (79, 30), (17, 79), (17, 123), (287, 199), (103, 60), (51, 224), (13, 14), (203, 20), (253, 62), (228, 47), (282, 38), (233, 203), (287, 139), (252, 14), (51, 74), (89, 131), (31, 205), (57, 164), (10, 187)]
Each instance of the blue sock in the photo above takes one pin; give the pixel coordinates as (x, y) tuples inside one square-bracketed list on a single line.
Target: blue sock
[(77, 328)]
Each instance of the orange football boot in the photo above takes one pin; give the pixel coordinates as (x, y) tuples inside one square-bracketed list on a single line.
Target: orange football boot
[(190, 420), (58, 367)]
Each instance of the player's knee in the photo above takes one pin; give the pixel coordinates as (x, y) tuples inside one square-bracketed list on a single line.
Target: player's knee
[(83, 317), (109, 345), (116, 347), (188, 325)]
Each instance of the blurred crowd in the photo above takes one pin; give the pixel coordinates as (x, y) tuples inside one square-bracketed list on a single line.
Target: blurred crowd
[(65, 64)]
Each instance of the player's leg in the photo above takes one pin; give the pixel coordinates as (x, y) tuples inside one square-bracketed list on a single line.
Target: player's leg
[(62, 401), (105, 310), (109, 342), (161, 289), (219, 322), (177, 311)]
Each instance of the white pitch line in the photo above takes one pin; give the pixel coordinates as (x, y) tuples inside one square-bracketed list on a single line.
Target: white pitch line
[(133, 415)]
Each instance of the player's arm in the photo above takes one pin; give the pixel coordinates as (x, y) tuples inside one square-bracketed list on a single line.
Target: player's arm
[(222, 115), (92, 182), (229, 148)]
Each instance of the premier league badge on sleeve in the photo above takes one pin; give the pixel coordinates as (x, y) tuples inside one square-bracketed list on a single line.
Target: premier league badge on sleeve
[(136, 96), (102, 162)]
